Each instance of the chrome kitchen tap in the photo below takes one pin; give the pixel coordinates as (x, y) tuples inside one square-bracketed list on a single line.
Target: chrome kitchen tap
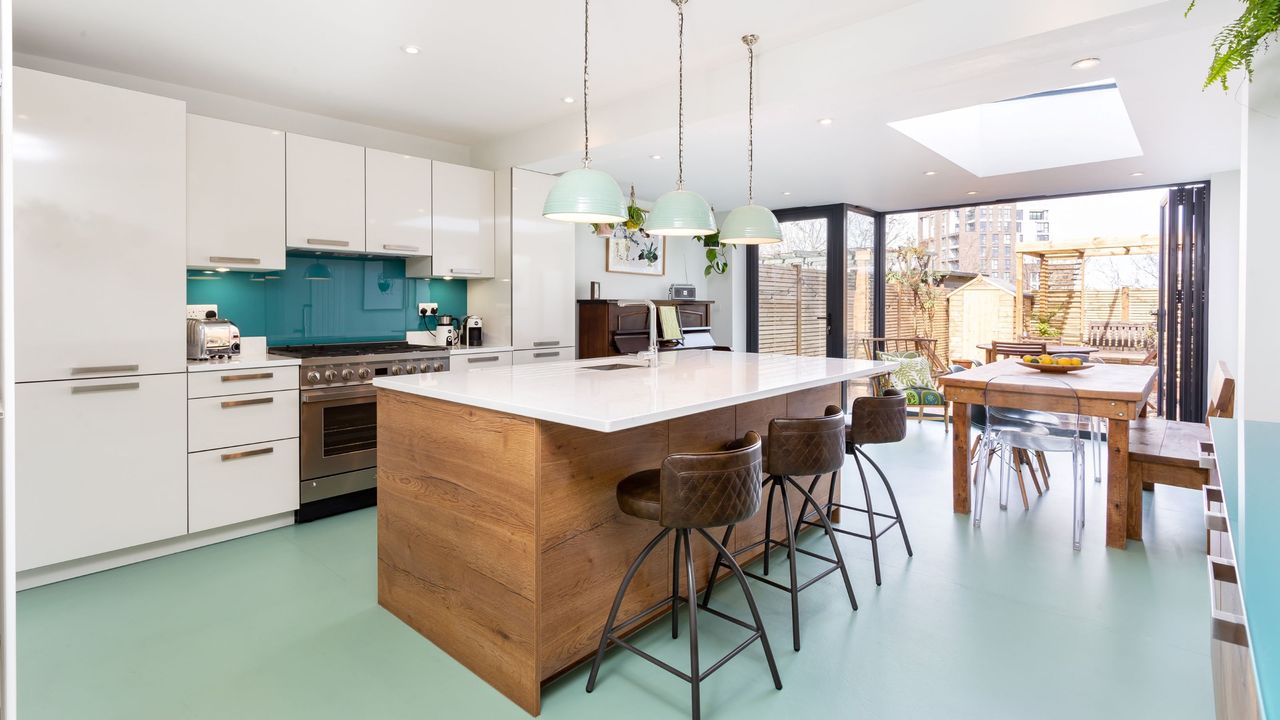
[(650, 356)]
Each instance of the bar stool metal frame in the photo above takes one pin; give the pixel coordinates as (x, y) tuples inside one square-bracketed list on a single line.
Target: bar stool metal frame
[(796, 446), (692, 478), (873, 420)]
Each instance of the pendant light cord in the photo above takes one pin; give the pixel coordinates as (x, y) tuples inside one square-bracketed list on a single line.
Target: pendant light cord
[(680, 101), (586, 76), (750, 41)]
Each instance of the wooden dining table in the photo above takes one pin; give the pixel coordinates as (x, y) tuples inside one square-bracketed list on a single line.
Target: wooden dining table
[(1114, 392), (990, 350)]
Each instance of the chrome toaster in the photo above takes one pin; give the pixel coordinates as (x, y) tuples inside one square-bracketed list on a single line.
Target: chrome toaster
[(211, 337)]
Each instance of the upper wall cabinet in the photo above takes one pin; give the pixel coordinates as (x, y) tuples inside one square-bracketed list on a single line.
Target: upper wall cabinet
[(463, 224), (235, 195), (325, 194), (99, 177), (397, 203)]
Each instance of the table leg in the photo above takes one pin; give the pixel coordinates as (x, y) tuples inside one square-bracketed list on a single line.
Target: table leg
[(991, 355), (1118, 491), (960, 459)]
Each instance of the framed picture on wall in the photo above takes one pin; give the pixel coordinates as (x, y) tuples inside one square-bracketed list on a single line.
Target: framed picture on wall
[(635, 252)]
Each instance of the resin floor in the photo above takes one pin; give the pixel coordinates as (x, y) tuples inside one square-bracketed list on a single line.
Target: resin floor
[(1003, 622)]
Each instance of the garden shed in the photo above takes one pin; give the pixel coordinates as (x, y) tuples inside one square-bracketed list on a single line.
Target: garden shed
[(978, 312)]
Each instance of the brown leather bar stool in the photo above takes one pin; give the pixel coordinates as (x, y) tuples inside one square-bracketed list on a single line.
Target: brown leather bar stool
[(797, 447), (691, 492), (873, 421)]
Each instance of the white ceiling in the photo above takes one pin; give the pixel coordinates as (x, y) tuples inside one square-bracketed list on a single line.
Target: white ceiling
[(492, 74)]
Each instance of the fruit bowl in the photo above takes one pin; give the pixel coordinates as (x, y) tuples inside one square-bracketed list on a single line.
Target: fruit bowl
[(1045, 367)]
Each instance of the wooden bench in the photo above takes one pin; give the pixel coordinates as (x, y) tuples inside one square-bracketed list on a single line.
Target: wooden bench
[(1168, 451)]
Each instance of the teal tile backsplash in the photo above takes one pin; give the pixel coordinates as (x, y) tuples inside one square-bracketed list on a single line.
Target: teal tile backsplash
[(365, 299)]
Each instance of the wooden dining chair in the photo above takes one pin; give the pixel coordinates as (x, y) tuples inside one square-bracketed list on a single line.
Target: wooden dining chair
[(1017, 348)]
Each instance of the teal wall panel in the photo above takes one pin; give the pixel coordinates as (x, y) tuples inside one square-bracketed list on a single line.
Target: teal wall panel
[(364, 299)]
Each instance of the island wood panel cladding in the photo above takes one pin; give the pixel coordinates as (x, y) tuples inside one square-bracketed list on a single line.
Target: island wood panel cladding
[(507, 552)]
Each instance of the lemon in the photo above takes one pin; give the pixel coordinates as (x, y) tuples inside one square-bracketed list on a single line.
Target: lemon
[(1046, 359), (1076, 361), (1026, 358)]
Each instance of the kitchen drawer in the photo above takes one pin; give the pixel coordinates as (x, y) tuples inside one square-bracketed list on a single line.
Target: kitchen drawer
[(212, 383), (547, 355), (476, 361), (221, 422), (241, 483)]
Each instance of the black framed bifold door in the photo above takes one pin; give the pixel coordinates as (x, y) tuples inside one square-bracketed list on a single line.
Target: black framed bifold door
[(1183, 303), (816, 293)]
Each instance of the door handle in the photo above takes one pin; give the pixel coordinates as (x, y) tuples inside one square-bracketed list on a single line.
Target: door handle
[(401, 248), (83, 389), (546, 343), (464, 271), (251, 401), (330, 243), (253, 376), (95, 369), (555, 353), (489, 358), (218, 260), (247, 453)]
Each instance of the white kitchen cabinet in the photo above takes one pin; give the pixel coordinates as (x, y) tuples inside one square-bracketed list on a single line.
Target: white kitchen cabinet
[(397, 203), (241, 381), (235, 484), (217, 422), (235, 195), (462, 222), (99, 177), (101, 466), (324, 190), (542, 268), (548, 355), (476, 361)]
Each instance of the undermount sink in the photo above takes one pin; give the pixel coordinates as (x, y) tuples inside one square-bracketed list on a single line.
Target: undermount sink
[(613, 366)]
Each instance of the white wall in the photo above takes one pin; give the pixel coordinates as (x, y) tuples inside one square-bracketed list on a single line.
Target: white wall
[(1224, 269), (685, 262), (227, 107)]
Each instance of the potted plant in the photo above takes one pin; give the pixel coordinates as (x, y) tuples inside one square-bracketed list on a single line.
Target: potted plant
[(635, 220), (1236, 44)]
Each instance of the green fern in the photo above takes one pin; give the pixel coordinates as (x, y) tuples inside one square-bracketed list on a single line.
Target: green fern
[(1236, 44)]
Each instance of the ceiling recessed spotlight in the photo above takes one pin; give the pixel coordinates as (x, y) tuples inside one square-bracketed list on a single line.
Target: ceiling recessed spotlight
[(1086, 63), (824, 121), (1136, 173), (568, 99), (786, 192), (972, 192), (655, 157), (930, 172), (411, 49)]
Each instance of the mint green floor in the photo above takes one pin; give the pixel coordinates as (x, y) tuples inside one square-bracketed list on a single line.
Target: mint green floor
[(1005, 622)]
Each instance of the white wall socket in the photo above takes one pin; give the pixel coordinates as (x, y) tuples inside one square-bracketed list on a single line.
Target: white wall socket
[(430, 308), (197, 312)]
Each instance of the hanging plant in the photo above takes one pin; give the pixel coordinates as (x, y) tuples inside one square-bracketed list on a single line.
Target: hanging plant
[(1235, 45), (635, 219), (717, 253)]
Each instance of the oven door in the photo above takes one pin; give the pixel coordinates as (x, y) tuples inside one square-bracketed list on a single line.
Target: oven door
[(339, 430)]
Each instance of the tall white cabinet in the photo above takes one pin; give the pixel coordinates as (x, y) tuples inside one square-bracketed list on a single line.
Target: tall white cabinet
[(462, 222), (99, 225), (397, 203), (235, 195), (324, 194), (542, 274)]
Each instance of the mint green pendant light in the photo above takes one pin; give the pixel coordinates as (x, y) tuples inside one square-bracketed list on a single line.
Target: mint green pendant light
[(681, 213), (585, 195), (317, 271), (750, 224)]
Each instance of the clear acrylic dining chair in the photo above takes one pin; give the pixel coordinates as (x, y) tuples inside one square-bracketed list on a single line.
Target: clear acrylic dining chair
[(1097, 425), (1008, 431)]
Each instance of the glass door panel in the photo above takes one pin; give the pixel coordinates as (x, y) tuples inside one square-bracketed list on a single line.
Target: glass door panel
[(792, 301), (859, 290)]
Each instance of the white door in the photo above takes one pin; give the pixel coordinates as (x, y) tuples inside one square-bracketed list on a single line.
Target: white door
[(235, 195), (99, 229), (542, 267), (103, 466), (397, 203), (324, 189), (462, 221)]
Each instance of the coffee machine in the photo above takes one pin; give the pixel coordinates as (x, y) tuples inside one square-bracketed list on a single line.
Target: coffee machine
[(471, 331)]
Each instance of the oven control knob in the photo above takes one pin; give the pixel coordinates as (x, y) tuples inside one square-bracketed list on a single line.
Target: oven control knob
[(438, 367), (411, 368), (348, 374), (426, 367), (330, 375), (396, 370), (365, 373), (313, 377)]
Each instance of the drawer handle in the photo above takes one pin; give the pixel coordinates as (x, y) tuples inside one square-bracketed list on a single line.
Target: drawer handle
[(464, 271), (253, 376), (222, 260), (250, 401), (547, 354), (546, 343), (330, 243), (402, 248), (82, 389), (487, 358), (95, 369), (247, 453)]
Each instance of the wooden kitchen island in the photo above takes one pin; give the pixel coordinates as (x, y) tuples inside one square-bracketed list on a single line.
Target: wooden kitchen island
[(499, 535)]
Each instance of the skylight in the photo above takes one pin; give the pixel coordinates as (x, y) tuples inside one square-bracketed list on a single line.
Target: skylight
[(1070, 126)]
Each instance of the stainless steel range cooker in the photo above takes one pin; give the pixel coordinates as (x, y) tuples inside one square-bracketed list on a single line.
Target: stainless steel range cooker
[(339, 418)]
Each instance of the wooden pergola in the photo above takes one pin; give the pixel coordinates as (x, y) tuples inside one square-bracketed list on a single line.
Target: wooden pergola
[(1062, 266)]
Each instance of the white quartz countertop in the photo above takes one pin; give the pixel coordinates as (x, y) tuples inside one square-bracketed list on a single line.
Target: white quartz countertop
[(684, 383), (241, 362)]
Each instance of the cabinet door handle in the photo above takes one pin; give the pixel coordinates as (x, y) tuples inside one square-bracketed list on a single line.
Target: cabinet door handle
[(234, 260), (82, 389), (487, 358), (330, 243), (253, 376), (250, 401), (95, 369), (247, 453), (401, 248), (464, 271), (546, 343), (547, 354)]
